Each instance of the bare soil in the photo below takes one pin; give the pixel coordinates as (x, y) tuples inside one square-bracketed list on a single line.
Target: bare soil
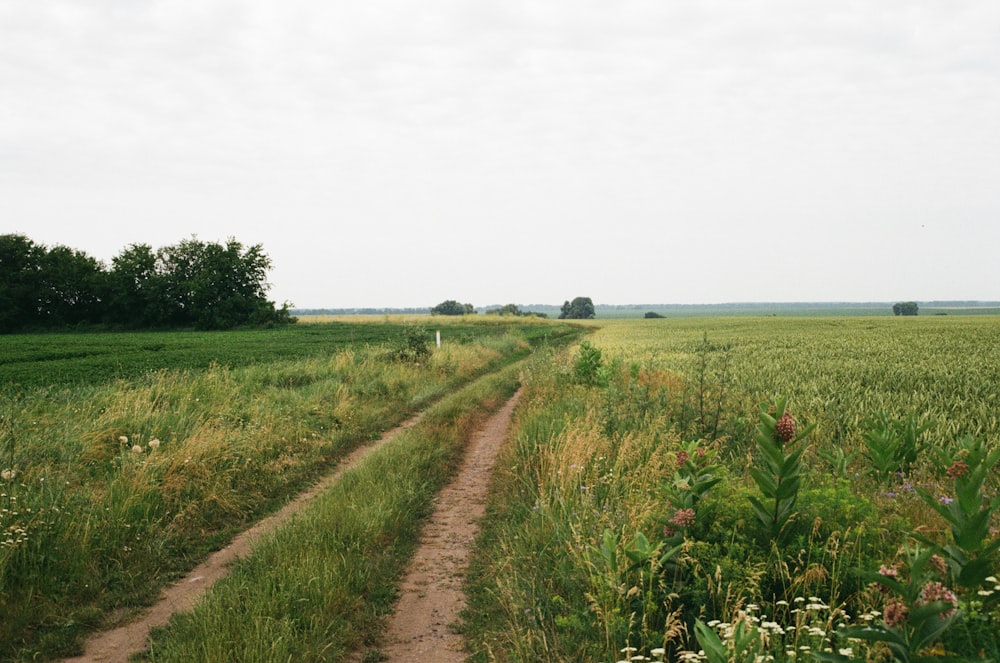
[(431, 595)]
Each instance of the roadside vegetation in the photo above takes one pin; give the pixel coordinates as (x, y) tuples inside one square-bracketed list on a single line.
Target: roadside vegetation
[(109, 489), (322, 586), (750, 490)]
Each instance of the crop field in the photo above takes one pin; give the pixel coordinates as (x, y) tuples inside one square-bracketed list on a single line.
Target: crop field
[(686, 489), (125, 458), (66, 359), (751, 489)]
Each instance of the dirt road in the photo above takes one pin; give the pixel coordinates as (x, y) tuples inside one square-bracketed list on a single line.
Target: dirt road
[(431, 596)]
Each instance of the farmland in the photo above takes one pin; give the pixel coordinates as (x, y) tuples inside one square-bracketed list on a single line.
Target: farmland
[(113, 486), (657, 503), (654, 500), (66, 359)]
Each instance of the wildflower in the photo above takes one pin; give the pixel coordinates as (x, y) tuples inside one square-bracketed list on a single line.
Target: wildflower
[(785, 428), (123, 439), (8, 474), (945, 500), (935, 591), (957, 469), (682, 457), (896, 612), (889, 572), (154, 443), (682, 517), (137, 449)]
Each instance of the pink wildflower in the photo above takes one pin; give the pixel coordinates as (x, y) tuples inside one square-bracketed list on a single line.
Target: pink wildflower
[(935, 591), (895, 612), (682, 517)]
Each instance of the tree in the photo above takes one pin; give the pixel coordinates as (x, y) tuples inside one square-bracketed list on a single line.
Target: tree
[(905, 308), (581, 308), (72, 289), (193, 283), (135, 289), (452, 307), (20, 267), (212, 286)]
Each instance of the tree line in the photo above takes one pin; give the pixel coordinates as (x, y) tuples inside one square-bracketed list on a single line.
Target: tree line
[(191, 284)]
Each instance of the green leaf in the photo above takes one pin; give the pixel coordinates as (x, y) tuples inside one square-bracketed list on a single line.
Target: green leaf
[(710, 642)]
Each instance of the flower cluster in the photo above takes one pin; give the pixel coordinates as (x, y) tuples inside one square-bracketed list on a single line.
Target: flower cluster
[(631, 655)]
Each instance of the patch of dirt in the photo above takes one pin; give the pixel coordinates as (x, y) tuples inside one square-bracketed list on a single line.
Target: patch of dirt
[(116, 645), (431, 597)]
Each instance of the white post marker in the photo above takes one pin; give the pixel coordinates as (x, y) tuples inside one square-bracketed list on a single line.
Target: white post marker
[(439, 339)]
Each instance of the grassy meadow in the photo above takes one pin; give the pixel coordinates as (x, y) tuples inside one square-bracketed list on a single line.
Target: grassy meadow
[(657, 504), (111, 487)]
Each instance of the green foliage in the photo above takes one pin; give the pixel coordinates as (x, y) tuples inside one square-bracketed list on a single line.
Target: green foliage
[(905, 308), (452, 307), (972, 554), (916, 612), (581, 308), (196, 284), (413, 347), (778, 473), (587, 368), (893, 445)]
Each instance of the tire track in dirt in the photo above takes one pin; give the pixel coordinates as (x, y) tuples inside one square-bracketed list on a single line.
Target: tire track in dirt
[(117, 644), (431, 595)]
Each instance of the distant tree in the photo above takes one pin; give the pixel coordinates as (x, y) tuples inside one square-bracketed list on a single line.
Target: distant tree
[(452, 307), (581, 308), (905, 308), (45, 288), (73, 288), (193, 283), (211, 286), (506, 309), (20, 268), (652, 314), (136, 289)]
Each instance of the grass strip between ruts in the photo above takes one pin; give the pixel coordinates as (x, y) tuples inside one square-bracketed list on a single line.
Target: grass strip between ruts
[(321, 586)]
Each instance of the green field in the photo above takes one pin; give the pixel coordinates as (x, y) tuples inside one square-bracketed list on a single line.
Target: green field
[(651, 504), (66, 359), (125, 458), (652, 501)]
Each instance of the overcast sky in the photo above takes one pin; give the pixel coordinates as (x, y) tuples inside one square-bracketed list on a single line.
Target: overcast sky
[(390, 153)]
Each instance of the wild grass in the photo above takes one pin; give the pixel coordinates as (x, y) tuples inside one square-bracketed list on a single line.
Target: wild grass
[(599, 542), (112, 489), (321, 586)]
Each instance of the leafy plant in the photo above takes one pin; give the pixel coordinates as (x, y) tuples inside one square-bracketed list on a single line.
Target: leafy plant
[(778, 473), (971, 554), (893, 445), (587, 368), (916, 612)]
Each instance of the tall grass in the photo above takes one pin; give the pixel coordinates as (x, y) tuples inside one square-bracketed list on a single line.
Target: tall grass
[(109, 491), (598, 539), (321, 586)]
